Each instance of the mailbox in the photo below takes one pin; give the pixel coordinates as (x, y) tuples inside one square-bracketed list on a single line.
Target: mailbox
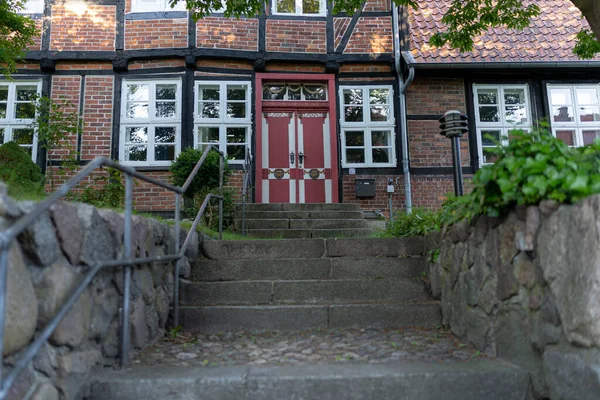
[(364, 187)]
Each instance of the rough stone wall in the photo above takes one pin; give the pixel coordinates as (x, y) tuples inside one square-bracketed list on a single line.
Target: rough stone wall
[(48, 261), (526, 289)]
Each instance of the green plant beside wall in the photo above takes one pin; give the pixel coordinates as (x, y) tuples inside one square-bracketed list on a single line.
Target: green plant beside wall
[(107, 191), (23, 177), (418, 223)]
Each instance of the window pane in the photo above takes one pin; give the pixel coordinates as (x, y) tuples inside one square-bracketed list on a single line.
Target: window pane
[(23, 136), (166, 92), (209, 110), (490, 138), (489, 157), (166, 109), (164, 134), (353, 114), (514, 96), (355, 156), (314, 92), (567, 136), (489, 114), (487, 96), (590, 135), (381, 155), (136, 134), (236, 152), (587, 96), (516, 114), (26, 93), (236, 135), (380, 138), (310, 6), (380, 113), (135, 153), (561, 96), (589, 114), (137, 110), (3, 110), (25, 110), (236, 110), (236, 92), (378, 96), (562, 114), (164, 152), (3, 93), (355, 138), (353, 96), (138, 92), (208, 134), (273, 92), (286, 6), (209, 92)]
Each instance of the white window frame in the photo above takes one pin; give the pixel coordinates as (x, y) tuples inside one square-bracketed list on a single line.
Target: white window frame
[(33, 7), (137, 6), (576, 125), (502, 125), (151, 122), (223, 122), (9, 124), (298, 11), (368, 126)]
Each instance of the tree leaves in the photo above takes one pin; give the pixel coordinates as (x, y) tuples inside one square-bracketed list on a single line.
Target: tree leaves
[(16, 33)]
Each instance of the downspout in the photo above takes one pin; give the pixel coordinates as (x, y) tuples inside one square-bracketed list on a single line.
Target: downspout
[(402, 87)]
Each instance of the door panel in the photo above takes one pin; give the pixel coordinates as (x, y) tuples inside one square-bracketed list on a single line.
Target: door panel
[(311, 138)]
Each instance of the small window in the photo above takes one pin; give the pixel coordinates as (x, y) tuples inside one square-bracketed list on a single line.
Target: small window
[(575, 113), (33, 7), (222, 117), (367, 123), (295, 91), (498, 110), (300, 7), (150, 122), (17, 113), (156, 5)]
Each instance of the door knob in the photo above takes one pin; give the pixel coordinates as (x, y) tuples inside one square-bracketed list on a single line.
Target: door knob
[(292, 158)]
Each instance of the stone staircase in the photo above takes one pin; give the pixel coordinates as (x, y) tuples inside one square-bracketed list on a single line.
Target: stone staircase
[(286, 221)]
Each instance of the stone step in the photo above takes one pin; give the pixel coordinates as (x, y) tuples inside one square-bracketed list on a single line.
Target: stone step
[(215, 319), (281, 223), (476, 379), (309, 233), (340, 291), (311, 248), (300, 215), (308, 268), (301, 207)]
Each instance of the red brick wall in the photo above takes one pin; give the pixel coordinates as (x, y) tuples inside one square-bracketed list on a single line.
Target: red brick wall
[(435, 96), (377, 5), (246, 65), (371, 35), (340, 26), (37, 40), (294, 67), (156, 33), (225, 33), (430, 149), (140, 64), (66, 88), (79, 65), (97, 117), (296, 36), (148, 197), (362, 67), (82, 26)]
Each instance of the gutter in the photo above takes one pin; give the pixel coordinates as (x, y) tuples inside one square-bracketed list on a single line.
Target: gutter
[(402, 87), (499, 65)]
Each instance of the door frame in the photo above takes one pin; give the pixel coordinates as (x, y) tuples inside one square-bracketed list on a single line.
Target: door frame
[(331, 99)]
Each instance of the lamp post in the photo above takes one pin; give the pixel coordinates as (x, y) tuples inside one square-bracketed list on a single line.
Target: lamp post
[(453, 125)]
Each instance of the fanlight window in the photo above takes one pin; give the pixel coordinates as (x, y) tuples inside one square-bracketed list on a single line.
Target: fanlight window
[(295, 91)]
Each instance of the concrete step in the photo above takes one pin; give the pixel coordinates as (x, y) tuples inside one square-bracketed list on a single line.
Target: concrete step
[(309, 233), (281, 223), (278, 223), (215, 319), (311, 248), (308, 268), (301, 207), (476, 379), (300, 215), (340, 291)]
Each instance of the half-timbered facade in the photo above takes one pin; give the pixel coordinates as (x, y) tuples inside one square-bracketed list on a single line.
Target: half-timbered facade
[(321, 101)]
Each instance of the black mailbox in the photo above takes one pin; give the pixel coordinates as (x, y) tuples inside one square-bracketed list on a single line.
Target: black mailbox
[(364, 187)]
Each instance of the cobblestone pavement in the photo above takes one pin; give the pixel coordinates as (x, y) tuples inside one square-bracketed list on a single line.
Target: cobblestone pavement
[(315, 346)]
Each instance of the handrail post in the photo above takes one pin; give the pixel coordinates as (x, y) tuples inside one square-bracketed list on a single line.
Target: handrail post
[(127, 270), (221, 172), (3, 279), (177, 263)]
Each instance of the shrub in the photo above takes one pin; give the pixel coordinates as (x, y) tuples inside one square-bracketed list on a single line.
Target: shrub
[(419, 222), (107, 191), (207, 177), (23, 177)]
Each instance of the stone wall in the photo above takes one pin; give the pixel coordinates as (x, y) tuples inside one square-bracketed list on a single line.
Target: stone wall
[(526, 288), (48, 261)]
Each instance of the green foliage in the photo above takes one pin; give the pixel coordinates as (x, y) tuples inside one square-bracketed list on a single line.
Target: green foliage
[(23, 177), (107, 191), (587, 44), (208, 175), (418, 223), (16, 33), (210, 218)]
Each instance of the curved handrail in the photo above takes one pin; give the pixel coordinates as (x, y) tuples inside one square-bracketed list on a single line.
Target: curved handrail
[(9, 234)]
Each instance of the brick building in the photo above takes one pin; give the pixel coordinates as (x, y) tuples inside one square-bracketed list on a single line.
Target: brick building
[(321, 101)]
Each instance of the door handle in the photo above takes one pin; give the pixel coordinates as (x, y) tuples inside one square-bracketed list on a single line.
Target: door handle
[(292, 158), (301, 158)]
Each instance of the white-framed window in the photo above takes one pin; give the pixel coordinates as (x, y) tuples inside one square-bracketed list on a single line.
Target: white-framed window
[(300, 7), (150, 129), (575, 113), (33, 7), (156, 5), (498, 110), (222, 117), (367, 126), (17, 113)]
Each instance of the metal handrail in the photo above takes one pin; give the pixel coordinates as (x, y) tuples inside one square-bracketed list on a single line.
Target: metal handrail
[(9, 234), (245, 183)]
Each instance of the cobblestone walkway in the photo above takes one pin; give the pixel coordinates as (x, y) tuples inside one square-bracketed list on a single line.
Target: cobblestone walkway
[(317, 346)]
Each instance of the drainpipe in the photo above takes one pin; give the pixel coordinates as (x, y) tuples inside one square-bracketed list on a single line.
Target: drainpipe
[(402, 87)]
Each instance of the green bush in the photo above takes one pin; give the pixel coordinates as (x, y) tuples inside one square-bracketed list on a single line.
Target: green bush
[(107, 191), (23, 177), (207, 177), (419, 222)]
